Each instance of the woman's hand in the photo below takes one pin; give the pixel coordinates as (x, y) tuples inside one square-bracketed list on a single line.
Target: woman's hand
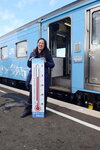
[(31, 58), (43, 58)]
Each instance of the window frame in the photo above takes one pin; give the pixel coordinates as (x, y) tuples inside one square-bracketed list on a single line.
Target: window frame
[(26, 49), (1, 53)]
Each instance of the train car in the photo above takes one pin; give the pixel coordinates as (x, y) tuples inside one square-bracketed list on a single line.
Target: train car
[(73, 35)]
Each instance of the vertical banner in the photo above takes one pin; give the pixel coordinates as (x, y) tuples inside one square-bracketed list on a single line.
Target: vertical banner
[(38, 88)]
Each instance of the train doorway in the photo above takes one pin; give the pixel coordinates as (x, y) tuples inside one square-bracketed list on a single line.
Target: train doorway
[(60, 45)]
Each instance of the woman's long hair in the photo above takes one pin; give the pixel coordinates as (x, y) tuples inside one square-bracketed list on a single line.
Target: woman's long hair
[(45, 44), (45, 50)]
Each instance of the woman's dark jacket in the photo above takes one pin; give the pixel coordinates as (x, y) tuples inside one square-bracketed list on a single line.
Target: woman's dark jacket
[(48, 65)]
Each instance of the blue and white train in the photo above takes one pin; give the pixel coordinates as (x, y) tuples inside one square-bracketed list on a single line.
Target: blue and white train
[(73, 36)]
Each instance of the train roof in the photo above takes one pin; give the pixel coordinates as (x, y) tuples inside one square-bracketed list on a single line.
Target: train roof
[(44, 17)]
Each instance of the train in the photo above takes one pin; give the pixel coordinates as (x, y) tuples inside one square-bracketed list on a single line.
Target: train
[(73, 36)]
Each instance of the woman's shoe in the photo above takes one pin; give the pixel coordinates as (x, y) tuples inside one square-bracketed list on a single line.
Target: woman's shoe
[(25, 113)]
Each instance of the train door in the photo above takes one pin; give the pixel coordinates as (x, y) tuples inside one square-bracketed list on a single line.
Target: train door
[(94, 47), (60, 45), (94, 53)]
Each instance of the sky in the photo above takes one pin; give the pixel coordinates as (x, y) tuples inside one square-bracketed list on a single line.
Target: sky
[(15, 13)]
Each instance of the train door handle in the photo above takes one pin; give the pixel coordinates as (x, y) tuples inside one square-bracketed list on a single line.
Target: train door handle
[(91, 54)]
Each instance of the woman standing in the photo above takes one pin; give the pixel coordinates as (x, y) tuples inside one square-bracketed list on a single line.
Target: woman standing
[(41, 51)]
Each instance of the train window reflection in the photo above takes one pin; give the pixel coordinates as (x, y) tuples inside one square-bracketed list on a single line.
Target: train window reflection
[(21, 49), (96, 28), (0, 53), (4, 52)]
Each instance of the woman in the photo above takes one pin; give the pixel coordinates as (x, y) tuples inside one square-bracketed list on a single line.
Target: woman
[(41, 51)]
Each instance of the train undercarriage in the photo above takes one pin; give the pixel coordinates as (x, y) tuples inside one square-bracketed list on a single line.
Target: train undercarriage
[(80, 98)]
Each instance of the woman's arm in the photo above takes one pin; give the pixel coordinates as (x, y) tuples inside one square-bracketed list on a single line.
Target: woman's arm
[(49, 63), (29, 62)]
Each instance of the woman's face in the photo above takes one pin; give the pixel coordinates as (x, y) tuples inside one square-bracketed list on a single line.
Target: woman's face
[(41, 45)]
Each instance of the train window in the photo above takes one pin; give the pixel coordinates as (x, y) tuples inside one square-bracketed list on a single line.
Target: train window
[(21, 49), (96, 27), (4, 53), (0, 53), (60, 52)]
